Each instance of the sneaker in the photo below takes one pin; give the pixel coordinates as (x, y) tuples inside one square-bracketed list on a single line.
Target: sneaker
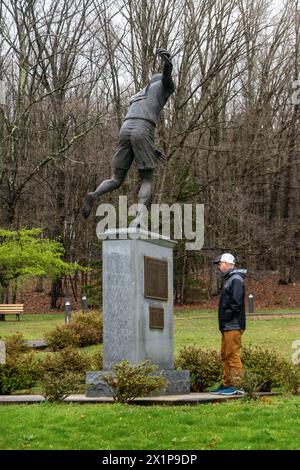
[(240, 392), (219, 389), (229, 391)]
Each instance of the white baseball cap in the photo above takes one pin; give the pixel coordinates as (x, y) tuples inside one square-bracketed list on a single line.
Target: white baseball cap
[(226, 258)]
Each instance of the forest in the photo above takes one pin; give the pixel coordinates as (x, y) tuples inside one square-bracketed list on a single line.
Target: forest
[(229, 131)]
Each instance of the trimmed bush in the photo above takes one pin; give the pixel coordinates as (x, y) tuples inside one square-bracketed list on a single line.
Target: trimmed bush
[(205, 366), (67, 360), (264, 370), (62, 337), (131, 381), (89, 327), (250, 383), (63, 373), (84, 330), (92, 319), (56, 387), (18, 375), (21, 372), (96, 361), (292, 379), (15, 345), (269, 368)]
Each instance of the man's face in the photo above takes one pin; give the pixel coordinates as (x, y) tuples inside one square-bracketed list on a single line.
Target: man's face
[(224, 267)]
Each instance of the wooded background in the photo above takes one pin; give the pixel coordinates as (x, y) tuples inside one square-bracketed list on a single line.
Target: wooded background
[(230, 130)]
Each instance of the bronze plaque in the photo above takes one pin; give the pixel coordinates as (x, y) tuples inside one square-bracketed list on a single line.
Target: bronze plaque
[(156, 319), (156, 278)]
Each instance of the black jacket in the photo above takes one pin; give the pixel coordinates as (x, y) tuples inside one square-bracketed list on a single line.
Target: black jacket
[(232, 314)]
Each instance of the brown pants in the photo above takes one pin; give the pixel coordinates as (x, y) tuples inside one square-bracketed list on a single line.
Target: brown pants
[(231, 356)]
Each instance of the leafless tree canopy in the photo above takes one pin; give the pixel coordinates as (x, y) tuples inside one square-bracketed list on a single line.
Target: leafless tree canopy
[(230, 131)]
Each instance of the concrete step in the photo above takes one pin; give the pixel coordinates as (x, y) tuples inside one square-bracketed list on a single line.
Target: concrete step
[(188, 399)]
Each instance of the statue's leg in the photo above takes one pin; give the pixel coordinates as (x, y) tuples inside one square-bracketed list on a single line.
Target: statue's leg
[(121, 162), (144, 197), (118, 176), (145, 193)]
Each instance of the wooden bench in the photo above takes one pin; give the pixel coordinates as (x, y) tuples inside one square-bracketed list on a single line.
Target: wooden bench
[(11, 309)]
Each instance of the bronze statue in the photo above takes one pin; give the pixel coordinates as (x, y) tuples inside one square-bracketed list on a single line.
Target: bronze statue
[(136, 136)]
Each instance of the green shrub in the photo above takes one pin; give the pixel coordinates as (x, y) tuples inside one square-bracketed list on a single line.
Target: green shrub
[(205, 366), (265, 370), (62, 337), (268, 367), (250, 383), (96, 361), (291, 378), (89, 327), (56, 387), (15, 345), (130, 381), (63, 373), (20, 372), (22, 369), (92, 319), (84, 330), (67, 360)]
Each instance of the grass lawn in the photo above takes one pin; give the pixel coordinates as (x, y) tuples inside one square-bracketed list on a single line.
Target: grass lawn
[(182, 312), (273, 333), (274, 424), (31, 326), (191, 327), (270, 424)]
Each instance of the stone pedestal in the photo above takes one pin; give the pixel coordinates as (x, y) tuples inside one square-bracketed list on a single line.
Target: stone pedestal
[(138, 307)]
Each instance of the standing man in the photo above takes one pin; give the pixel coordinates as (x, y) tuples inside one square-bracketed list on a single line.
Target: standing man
[(136, 136), (232, 323)]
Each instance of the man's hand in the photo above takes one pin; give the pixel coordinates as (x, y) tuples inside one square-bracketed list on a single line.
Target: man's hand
[(165, 55)]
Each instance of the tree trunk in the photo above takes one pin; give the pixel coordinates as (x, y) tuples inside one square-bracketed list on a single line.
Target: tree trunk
[(56, 289), (39, 287)]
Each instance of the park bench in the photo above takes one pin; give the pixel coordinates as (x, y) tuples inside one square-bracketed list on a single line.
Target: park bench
[(11, 309)]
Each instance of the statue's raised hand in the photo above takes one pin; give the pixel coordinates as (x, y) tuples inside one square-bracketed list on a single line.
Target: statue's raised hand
[(165, 55)]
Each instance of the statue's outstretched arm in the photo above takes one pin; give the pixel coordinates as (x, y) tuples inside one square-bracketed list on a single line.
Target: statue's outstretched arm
[(167, 70)]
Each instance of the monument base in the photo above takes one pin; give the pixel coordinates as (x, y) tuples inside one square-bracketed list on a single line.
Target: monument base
[(138, 323), (178, 383)]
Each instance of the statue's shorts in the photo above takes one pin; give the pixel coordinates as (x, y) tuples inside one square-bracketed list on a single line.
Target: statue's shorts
[(135, 143)]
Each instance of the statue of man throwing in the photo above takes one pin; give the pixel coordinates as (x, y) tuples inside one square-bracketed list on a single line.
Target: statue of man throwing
[(136, 136)]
